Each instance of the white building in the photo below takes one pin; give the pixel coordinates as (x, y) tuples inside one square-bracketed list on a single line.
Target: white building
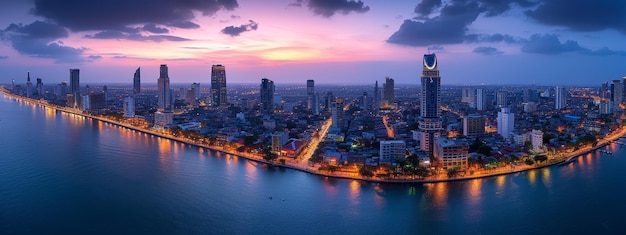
[(451, 153), (129, 107), (86, 104), (506, 122), (162, 119), (481, 99), (537, 139), (392, 149), (561, 97), (521, 139), (530, 107)]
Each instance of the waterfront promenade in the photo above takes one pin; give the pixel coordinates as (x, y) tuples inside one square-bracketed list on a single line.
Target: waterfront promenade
[(301, 163)]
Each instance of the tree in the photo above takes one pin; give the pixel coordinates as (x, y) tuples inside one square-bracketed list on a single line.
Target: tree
[(485, 150), (365, 172), (249, 140), (541, 158), (453, 172)]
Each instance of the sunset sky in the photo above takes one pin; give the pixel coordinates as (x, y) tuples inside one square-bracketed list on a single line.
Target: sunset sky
[(577, 42)]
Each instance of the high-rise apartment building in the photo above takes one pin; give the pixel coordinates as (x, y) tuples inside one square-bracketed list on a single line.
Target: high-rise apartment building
[(267, 95), (129, 106), (29, 86), (137, 81), (506, 123), (195, 87), (164, 95), (560, 97), (430, 123), (473, 125), (218, 85), (337, 113), (388, 91), (310, 93), (75, 87), (481, 99), (376, 101), (39, 87), (616, 93), (501, 100)]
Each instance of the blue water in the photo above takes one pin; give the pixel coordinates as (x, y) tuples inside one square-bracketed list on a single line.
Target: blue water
[(61, 173)]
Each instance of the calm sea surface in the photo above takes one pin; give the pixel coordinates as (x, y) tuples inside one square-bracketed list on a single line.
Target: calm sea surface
[(61, 173)]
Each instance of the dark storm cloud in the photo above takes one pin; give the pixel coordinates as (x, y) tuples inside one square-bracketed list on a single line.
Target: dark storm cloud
[(183, 24), (492, 38), (582, 15), (549, 44), (153, 28), (426, 7), (83, 15), (94, 57), (487, 51), (450, 26), (41, 39), (38, 30), (447, 28), (328, 8), (234, 31), (112, 34)]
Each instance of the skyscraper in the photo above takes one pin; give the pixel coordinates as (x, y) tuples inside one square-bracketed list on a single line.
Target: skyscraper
[(501, 99), (506, 123), (164, 94), (376, 102), (388, 91), (337, 113), (218, 85), (267, 96), (481, 99), (310, 93), (75, 87), (129, 106), (616, 93), (195, 87), (75, 81), (29, 86), (137, 81), (430, 123), (39, 87), (561, 97)]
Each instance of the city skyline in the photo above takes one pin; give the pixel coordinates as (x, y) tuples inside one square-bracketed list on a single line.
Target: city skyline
[(314, 39)]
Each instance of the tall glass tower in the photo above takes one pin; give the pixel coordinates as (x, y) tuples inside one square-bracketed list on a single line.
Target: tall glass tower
[(164, 95), (218, 85), (267, 95), (430, 123), (137, 81)]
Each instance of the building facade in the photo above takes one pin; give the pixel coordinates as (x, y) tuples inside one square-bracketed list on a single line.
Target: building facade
[(218, 85), (267, 95), (137, 81), (451, 153), (164, 95), (430, 122), (390, 150), (506, 123), (473, 125)]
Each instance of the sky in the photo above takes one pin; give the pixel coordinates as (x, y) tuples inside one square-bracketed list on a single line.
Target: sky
[(550, 42)]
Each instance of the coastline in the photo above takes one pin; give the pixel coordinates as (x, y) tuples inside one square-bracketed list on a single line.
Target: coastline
[(297, 165)]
